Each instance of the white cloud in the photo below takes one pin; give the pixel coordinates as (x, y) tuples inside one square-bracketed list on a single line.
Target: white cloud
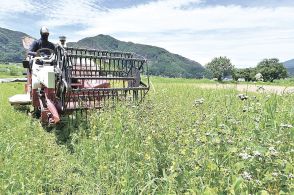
[(245, 34), (69, 12), (14, 6), (9, 8)]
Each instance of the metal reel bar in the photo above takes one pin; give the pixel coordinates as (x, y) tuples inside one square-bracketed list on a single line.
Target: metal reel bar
[(96, 69), (94, 52)]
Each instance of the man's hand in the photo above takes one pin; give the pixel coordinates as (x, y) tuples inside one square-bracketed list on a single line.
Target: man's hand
[(31, 53)]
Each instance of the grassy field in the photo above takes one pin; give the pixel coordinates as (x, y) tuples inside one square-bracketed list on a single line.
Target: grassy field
[(181, 139)]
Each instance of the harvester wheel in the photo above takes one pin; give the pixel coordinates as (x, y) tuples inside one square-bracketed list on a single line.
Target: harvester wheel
[(37, 113)]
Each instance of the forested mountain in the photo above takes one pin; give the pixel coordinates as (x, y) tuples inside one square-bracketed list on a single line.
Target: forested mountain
[(160, 60), (11, 49)]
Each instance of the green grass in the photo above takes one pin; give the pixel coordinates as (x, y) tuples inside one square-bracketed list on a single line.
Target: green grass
[(181, 139), (162, 80), (283, 82), (11, 71)]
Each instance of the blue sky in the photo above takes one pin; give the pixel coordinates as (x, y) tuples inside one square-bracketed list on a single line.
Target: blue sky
[(246, 31)]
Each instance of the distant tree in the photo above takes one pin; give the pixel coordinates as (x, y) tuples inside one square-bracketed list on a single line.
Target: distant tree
[(208, 74), (220, 67), (247, 73), (271, 69), (236, 73), (258, 77)]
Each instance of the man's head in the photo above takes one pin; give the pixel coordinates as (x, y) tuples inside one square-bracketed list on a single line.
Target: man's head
[(44, 32)]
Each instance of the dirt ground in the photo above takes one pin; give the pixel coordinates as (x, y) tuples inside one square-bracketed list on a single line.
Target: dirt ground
[(10, 80), (251, 88)]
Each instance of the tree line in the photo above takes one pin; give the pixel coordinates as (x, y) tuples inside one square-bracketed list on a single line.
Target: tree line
[(267, 70)]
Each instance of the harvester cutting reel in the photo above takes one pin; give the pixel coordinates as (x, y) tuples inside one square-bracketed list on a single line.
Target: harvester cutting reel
[(66, 80)]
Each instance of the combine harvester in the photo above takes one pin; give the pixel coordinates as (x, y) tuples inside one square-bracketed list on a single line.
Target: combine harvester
[(69, 80)]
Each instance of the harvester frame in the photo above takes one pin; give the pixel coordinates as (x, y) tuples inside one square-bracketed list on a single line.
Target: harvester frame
[(70, 79)]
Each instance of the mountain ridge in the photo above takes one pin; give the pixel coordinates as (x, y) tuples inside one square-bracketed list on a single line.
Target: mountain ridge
[(289, 64), (161, 61)]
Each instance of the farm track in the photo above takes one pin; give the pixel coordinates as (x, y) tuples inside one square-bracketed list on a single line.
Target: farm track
[(250, 88), (11, 80)]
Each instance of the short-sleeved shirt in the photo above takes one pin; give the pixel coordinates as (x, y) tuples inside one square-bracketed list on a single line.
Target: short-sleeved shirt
[(39, 44)]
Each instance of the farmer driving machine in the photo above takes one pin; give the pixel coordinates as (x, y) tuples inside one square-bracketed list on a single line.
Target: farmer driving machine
[(69, 80)]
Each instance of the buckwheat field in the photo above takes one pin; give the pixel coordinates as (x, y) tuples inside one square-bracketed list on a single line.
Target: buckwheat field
[(181, 140)]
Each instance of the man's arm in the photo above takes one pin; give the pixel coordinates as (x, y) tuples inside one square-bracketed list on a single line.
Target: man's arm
[(51, 46), (33, 48)]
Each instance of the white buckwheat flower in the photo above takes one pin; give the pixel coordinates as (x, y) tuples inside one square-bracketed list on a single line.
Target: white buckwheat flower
[(247, 176), (244, 156)]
